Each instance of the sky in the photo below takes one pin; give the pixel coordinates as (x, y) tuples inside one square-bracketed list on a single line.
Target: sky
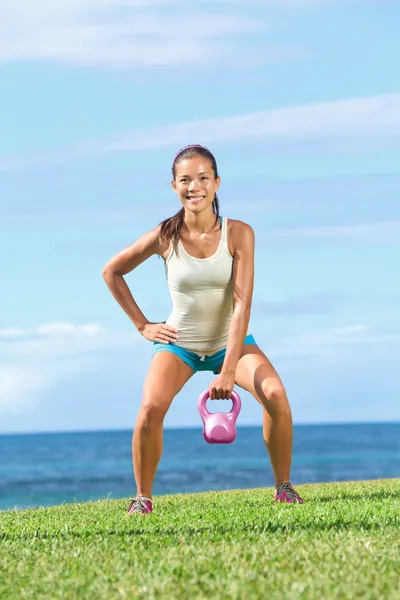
[(299, 100)]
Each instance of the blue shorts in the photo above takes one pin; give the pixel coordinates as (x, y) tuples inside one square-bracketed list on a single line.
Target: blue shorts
[(196, 361)]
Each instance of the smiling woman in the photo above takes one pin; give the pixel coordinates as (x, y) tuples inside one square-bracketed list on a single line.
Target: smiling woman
[(200, 185), (209, 262)]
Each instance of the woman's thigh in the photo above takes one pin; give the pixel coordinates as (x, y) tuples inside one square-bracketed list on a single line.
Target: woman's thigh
[(256, 374), (165, 378)]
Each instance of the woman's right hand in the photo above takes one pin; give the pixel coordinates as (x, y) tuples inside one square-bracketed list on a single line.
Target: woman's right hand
[(159, 332)]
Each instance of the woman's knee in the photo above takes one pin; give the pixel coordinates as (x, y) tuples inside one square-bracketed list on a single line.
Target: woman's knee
[(151, 413), (274, 396)]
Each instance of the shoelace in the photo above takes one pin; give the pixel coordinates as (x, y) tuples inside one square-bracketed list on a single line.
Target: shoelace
[(139, 504), (287, 487)]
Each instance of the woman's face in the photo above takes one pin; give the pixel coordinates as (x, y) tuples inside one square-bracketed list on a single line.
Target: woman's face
[(195, 183)]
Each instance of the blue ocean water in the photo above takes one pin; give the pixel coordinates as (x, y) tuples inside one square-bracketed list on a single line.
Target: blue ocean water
[(49, 469)]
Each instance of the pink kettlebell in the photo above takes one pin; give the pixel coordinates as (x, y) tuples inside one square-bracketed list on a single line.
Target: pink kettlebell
[(219, 428)]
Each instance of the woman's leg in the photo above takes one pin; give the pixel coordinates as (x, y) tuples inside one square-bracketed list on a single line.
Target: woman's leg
[(256, 375), (167, 375)]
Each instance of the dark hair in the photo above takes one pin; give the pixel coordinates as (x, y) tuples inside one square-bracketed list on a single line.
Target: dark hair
[(171, 228)]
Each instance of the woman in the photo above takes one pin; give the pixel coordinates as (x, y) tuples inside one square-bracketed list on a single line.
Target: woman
[(209, 263)]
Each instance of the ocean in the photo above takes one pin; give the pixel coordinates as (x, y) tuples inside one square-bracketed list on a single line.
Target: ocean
[(55, 468)]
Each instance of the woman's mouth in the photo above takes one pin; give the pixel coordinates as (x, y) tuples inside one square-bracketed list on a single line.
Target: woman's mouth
[(195, 199)]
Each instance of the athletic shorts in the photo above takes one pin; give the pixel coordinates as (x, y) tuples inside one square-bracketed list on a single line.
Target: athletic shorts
[(199, 362)]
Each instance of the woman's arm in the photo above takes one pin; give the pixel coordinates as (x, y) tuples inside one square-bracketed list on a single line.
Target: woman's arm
[(124, 262), (243, 282), (121, 264)]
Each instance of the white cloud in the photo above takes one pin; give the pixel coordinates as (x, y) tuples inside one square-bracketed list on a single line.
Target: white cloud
[(60, 340), (353, 122), (129, 34), (352, 125), (34, 361), (51, 329), (70, 328)]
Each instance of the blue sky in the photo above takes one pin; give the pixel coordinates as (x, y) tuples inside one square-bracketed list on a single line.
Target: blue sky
[(299, 101)]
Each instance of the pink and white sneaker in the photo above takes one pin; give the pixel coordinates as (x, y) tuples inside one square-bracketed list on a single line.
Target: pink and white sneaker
[(287, 494), (140, 505)]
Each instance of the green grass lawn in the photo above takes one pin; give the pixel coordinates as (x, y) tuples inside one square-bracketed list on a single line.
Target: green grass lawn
[(343, 543)]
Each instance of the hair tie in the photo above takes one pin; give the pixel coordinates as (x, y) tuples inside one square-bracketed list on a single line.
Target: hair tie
[(189, 147)]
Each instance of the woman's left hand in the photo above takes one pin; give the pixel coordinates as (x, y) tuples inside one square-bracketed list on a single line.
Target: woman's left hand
[(221, 387)]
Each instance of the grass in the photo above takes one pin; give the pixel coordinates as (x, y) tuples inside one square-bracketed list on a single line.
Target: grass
[(343, 543)]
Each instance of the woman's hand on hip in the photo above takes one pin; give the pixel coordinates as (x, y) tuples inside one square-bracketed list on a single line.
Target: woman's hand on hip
[(221, 387), (159, 332)]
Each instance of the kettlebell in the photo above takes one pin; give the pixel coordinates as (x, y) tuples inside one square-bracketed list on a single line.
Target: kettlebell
[(219, 428)]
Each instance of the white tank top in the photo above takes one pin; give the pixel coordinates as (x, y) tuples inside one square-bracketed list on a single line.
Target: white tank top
[(201, 292)]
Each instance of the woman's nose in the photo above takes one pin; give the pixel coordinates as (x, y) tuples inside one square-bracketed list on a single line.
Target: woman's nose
[(192, 185)]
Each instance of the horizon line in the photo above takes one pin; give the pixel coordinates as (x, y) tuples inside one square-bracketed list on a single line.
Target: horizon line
[(180, 427)]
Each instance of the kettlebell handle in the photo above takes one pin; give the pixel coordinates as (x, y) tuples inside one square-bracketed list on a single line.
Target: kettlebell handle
[(204, 396)]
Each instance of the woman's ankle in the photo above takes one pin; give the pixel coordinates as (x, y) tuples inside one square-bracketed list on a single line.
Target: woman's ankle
[(144, 495)]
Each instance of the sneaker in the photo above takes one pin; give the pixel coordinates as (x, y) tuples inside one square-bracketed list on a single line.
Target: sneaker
[(140, 505), (286, 493)]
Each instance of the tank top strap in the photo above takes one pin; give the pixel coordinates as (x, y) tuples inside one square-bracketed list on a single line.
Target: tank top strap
[(224, 231)]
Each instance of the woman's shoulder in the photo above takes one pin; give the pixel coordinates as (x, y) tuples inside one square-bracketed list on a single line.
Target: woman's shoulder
[(238, 228), (152, 241), (240, 235)]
